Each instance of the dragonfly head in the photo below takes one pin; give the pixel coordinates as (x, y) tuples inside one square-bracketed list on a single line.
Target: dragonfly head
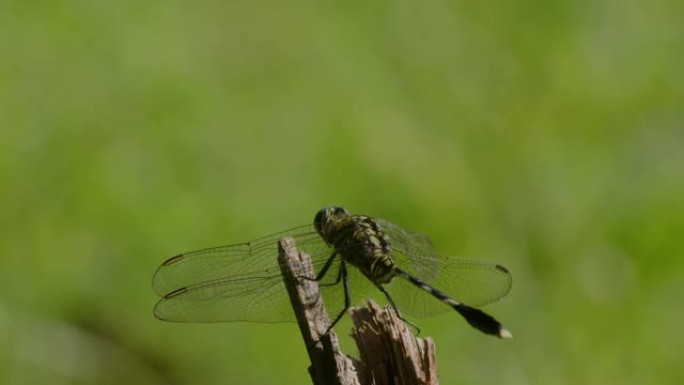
[(329, 216)]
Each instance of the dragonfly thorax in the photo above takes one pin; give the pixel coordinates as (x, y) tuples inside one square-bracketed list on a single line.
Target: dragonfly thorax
[(359, 240)]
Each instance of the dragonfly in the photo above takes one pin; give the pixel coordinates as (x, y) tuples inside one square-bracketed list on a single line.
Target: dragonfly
[(243, 282)]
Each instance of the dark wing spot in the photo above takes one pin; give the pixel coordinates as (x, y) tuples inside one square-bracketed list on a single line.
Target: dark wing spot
[(173, 260), (502, 269), (176, 292)]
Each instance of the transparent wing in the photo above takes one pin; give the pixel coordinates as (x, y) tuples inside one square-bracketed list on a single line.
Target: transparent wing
[(473, 282), (231, 283), (211, 264), (413, 251), (243, 282)]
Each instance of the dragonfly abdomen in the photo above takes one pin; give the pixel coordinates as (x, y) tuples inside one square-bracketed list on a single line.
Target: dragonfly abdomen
[(475, 317)]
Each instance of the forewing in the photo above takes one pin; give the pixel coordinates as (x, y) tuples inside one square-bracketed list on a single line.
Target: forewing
[(232, 283)]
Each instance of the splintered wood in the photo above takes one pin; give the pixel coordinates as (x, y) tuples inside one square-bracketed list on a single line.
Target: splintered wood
[(389, 352)]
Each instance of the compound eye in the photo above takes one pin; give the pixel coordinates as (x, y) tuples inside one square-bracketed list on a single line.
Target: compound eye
[(341, 211), (319, 219)]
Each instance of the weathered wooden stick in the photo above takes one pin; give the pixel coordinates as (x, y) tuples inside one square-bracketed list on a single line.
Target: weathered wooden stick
[(328, 364), (389, 352)]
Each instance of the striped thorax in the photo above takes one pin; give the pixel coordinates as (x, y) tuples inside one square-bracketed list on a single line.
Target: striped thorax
[(358, 240)]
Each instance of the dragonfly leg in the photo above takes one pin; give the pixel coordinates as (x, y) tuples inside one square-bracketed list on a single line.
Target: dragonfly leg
[(337, 280), (342, 274), (347, 298), (324, 270), (396, 310)]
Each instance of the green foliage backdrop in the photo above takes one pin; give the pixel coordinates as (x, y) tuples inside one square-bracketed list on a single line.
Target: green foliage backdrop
[(548, 136)]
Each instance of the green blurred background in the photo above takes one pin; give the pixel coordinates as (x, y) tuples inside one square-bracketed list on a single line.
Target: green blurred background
[(547, 136)]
